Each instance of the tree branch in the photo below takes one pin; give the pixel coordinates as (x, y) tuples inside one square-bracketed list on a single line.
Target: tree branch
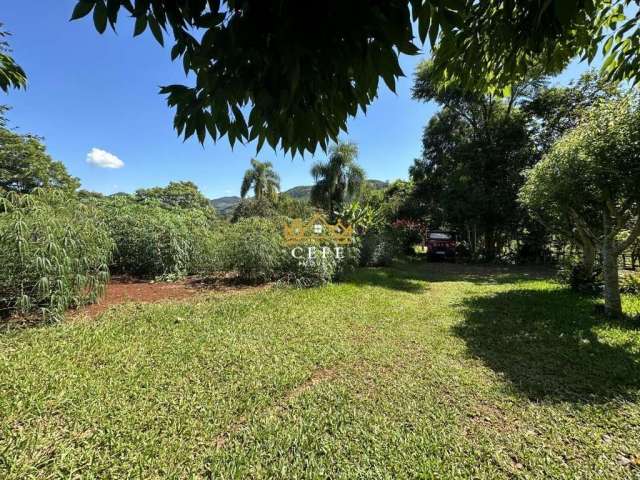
[(632, 237), (580, 223)]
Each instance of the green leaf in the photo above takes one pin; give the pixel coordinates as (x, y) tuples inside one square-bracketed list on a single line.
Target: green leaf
[(155, 29), (82, 9), (141, 25), (100, 17)]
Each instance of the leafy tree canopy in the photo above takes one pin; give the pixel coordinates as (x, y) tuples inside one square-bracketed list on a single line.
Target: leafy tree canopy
[(11, 75), (557, 110), (473, 152), (591, 176), (339, 179), (176, 194), (501, 41), (25, 164), (285, 72), (264, 180)]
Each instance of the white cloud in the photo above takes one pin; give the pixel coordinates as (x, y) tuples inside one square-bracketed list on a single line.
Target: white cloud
[(103, 159)]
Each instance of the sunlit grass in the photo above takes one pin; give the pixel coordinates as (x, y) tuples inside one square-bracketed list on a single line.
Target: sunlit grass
[(441, 371)]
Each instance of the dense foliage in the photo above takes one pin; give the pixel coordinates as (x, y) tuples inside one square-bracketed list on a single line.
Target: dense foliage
[(176, 194), (589, 183), (253, 248), (25, 164), (473, 152), (338, 179), (285, 72), (499, 43), (153, 240), (54, 253), (11, 75)]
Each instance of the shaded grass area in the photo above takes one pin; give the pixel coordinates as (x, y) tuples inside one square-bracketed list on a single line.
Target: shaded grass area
[(416, 371)]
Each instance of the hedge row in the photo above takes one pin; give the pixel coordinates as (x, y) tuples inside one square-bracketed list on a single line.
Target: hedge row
[(57, 251)]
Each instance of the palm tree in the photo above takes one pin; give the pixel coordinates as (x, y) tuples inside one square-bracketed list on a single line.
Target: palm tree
[(338, 179), (265, 181)]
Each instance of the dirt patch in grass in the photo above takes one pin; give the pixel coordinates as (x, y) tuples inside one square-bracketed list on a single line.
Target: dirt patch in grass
[(124, 289)]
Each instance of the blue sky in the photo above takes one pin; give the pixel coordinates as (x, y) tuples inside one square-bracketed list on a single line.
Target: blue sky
[(89, 91)]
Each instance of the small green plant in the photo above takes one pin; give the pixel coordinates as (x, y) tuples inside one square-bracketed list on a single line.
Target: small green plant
[(54, 253)]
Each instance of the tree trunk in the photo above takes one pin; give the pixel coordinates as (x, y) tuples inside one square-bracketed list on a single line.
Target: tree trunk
[(612, 303), (489, 244), (588, 258)]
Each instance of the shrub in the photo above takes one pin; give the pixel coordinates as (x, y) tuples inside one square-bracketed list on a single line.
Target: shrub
[(54, 253), (574, 275), (253, 247), (377, 249), (407, 233), (319, 269), (153, 240), (248, 208)]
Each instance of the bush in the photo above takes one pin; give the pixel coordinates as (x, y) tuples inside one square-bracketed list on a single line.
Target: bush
[(253, 247), (251, 207), (320, 269), (377, 249), (575, 276), (153, 240), (54, 253), (407, 233)]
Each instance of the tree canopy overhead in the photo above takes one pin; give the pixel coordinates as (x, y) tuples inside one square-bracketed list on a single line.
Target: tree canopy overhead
[(285, 72), (11, 75), (501, 40)]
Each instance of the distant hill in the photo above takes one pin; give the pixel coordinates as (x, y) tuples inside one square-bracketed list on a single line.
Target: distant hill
[(303, 192), (225, 205)]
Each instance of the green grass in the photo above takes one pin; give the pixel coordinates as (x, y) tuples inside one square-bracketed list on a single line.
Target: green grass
[(421, 371)]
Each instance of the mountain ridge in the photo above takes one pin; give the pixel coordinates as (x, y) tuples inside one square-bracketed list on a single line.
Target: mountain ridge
[(225, 205)]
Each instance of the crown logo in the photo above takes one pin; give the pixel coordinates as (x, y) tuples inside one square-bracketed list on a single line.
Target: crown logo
[(317, 228)]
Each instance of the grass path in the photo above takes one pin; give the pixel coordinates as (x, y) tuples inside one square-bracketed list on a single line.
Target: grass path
[(420, 371)]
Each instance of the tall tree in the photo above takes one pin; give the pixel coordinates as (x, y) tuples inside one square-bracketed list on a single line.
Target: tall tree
[(473, 153), (591, 178), (338, 179), (264, 180), (11, 75), (25, 164), (556, 111), (298, 69)]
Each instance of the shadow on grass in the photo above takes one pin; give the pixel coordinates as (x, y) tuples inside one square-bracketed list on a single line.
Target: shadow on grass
[(479, 274), (409, 276), (390, 278), (545, 345)]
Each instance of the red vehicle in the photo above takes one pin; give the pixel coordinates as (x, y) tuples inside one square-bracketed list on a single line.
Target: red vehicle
[(441, 245)]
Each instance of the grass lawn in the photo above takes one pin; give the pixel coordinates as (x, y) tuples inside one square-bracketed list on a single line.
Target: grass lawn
[(419, 371)]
